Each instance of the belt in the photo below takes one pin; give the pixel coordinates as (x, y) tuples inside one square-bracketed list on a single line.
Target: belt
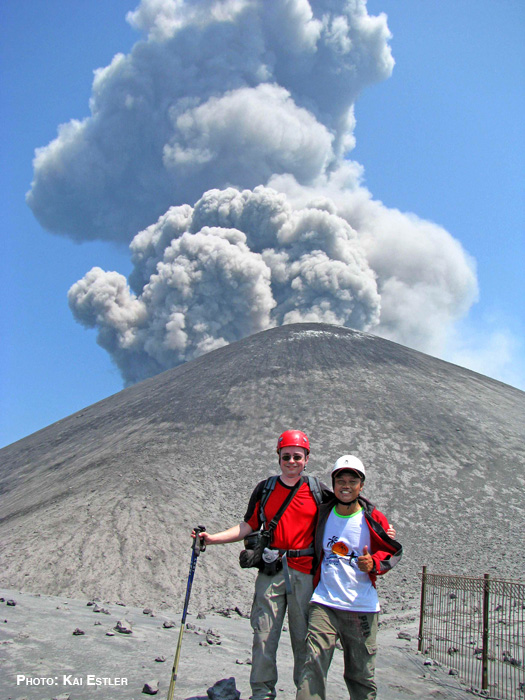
[(292, 553), (285, 554)]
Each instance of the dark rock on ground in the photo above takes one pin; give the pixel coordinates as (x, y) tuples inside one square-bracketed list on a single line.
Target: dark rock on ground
[(151, 687), (224, 690), (124, 627)]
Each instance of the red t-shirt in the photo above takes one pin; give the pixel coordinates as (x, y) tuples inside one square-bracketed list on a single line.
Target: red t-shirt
[(295, 529)]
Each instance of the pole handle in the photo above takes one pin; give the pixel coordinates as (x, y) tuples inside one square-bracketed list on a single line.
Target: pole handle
[(199, 545)]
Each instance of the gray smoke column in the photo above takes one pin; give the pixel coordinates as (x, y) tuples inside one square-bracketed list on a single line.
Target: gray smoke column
[(235, 264), (219, 147)]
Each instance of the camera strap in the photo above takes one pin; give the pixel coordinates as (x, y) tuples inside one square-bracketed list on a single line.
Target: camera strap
[(273, 522)]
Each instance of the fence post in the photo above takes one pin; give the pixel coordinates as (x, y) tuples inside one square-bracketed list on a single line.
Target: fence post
[(485, 651), (422, 609)]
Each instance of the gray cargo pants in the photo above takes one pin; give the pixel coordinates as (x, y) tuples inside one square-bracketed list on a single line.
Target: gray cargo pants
[(358, 634), (270, 603)]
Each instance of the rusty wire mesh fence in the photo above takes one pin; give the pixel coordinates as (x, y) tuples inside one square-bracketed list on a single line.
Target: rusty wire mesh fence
[(476, 626)]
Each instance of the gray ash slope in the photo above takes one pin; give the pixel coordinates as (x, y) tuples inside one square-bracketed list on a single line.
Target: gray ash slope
[(101, 503)]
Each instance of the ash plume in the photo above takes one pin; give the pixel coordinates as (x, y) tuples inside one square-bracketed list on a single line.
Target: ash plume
[(235, 264), (219, 147)]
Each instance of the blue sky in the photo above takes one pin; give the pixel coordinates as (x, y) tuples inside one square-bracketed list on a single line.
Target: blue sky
[(442, 138)]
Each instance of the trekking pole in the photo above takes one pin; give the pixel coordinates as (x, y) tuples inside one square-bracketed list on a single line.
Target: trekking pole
[(198, 546)]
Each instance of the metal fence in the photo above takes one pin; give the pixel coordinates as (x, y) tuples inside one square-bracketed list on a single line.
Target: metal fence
[(476, 626)]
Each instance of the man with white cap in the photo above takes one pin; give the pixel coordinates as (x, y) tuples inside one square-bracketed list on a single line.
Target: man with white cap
[(353, 548)]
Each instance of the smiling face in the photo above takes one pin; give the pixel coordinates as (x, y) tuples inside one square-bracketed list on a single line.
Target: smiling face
[(292, 461), (347, 485)]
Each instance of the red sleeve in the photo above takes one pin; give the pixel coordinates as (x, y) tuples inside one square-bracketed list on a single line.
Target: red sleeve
[(384, 554), (381, 519)]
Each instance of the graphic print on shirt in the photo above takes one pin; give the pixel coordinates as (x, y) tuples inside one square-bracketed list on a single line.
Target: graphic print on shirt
[(340, 550)]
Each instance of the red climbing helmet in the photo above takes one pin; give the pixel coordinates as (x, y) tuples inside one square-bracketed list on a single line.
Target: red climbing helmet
[(293, 438)]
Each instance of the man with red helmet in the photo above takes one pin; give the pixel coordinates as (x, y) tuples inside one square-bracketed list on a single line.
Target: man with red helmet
[(285, 581)]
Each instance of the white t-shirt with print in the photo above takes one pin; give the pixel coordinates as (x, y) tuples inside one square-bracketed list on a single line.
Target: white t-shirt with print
[(342, 585)]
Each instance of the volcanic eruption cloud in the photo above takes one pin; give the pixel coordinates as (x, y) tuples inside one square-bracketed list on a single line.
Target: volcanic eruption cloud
[(220, 148)]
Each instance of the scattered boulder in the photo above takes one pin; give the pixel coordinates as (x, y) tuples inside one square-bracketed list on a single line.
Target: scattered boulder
[(507, 658), (160, 659), (224, 690), (124, 627), (78, 632), (11, 602), (98, 609), (227, 612), (213, 637), (151, 687), (168, 624), (404, 635)]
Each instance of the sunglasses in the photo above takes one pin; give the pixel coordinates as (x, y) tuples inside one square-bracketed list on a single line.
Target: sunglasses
[(297, 458)]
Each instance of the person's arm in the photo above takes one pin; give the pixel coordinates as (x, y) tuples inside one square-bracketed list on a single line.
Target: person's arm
[(384, 556), (233, 534)]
